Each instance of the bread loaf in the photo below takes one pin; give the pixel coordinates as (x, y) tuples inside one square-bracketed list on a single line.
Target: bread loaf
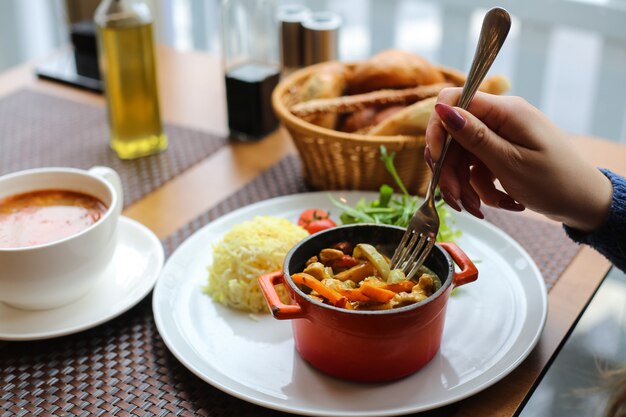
[(392, 68), (328, 82)]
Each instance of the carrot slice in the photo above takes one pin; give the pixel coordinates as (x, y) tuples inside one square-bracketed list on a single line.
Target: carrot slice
[(402, 286), (331, 295), (354, 295), (377, 293)]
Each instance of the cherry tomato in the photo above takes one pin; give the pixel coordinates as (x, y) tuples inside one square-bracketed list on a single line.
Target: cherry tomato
[(315, 220)]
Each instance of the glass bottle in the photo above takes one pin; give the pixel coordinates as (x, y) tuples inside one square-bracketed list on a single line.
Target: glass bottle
[(127, 63), (251, 65)]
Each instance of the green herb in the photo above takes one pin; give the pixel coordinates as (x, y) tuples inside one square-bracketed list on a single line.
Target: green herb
[(395, 210)]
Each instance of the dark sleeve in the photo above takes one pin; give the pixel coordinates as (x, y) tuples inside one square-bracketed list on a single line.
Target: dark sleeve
[(610, 238)]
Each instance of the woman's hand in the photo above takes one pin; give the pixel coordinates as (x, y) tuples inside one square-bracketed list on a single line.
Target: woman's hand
[(505, 139)]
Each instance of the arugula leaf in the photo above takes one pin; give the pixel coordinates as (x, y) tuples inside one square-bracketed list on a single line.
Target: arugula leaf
[(386, 192), (388, 160), (393, 209)]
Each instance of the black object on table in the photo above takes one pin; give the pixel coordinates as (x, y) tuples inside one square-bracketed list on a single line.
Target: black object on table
[(78, 67)]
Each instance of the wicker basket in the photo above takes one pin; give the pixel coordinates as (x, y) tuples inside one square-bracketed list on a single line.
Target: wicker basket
[(334, 160)]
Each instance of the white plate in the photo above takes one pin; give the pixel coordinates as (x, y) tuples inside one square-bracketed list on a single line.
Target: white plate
[(491, 326), (136, 264)]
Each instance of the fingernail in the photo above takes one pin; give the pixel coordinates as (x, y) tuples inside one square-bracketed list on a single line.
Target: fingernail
[(471, 203), (450, 116), (428, 158), (473, 209), (510, 204), (449, 198)]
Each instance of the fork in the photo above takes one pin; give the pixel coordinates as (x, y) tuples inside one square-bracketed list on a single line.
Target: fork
[(420, 236)]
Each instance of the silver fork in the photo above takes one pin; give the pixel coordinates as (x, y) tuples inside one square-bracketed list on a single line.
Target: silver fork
[(420, 236)]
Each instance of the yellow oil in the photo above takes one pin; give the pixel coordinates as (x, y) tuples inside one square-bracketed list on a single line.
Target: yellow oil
[(128, 66)]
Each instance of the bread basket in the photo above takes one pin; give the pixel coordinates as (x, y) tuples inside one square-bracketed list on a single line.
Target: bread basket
[(334, 160)]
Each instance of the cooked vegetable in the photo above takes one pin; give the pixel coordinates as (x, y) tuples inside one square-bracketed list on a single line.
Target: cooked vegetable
[(395, 276), (395, 210), (377, 293), (363, 250), (402, 286), (328, 293), (357, 273), (353, 294), (368, 285), (346, 261)]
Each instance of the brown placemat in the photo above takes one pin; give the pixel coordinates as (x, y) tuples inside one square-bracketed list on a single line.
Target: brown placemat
[(38, 130), (546, 243), (123, 368)]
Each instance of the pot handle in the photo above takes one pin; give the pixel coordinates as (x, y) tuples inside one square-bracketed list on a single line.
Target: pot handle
[(468, 272), (279, 310)]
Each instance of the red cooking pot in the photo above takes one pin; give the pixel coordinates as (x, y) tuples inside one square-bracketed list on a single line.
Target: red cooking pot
[(362, 345)]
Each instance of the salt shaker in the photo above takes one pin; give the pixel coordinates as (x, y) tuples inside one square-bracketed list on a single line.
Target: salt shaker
[(321, 37), (251, 66)]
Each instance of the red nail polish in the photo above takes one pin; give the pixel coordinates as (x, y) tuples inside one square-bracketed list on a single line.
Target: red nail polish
[(474, 210), (450, 116), (428, 158), (449, 198), (510, 204)]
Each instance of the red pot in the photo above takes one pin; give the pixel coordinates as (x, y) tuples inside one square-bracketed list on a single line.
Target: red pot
[(366, 345)]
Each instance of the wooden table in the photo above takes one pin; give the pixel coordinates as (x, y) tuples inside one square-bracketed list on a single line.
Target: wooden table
[(192, 83)]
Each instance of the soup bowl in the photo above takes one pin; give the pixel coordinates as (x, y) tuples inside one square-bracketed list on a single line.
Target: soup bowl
[(53, 274), (364, 345)]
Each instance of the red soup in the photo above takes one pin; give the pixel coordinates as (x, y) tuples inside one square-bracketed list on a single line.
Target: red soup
[(45, 216)]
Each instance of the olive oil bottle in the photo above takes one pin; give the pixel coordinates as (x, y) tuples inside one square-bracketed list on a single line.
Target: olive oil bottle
[(127, 61)]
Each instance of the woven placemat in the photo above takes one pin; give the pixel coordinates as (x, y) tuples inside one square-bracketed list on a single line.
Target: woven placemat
[(546, 243), (38, 130), (123, 368)]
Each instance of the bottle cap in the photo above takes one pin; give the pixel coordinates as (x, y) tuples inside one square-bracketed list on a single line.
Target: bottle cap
[(321, 37), (290, 18)]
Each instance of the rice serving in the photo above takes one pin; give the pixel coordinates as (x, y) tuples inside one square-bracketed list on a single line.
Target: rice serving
[(249, 250)]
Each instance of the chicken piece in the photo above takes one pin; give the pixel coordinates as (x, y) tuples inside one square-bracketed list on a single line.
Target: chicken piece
[(311, 260), (406, 298), (420, 291), (328, 255), (337, 285), (316, 296), (425, 284), (317, 270), (374, 281)]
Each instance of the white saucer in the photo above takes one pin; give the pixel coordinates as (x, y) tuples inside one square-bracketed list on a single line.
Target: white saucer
[(136, 264)]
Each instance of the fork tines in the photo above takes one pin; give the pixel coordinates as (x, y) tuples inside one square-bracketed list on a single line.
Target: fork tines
[(409, 256)]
